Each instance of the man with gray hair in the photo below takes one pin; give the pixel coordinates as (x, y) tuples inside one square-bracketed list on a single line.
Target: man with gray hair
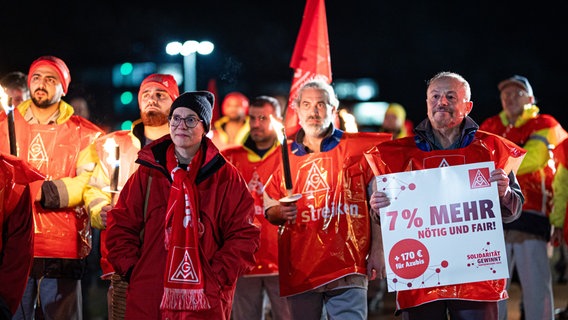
[(328, 246)]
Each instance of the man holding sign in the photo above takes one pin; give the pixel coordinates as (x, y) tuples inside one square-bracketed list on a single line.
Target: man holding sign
[(449, 138)]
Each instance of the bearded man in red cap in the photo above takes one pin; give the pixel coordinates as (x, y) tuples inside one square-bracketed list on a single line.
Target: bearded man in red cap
[(59, 145), (157, 92)]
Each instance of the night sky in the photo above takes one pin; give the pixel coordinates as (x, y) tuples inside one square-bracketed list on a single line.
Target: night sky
[(399, 44)]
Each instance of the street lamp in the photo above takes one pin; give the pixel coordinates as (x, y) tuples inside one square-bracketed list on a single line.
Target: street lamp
[(188, 50)]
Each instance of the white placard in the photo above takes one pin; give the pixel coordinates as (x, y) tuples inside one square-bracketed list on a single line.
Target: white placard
[(443, 227)]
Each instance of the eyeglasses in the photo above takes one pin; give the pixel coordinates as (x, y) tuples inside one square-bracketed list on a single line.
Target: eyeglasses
[(190, 122)]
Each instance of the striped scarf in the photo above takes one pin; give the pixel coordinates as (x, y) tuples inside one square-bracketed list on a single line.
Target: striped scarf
[(183, 279)]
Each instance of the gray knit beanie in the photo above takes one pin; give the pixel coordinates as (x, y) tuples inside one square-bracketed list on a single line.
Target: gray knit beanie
[(201, 102)]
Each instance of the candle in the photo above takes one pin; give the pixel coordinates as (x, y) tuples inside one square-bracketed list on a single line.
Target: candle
[(286, 163), (116, 169), (113, 163)]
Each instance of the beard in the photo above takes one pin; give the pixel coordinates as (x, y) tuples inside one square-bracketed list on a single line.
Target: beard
[(154, 119), (314, 129), (41, 103)]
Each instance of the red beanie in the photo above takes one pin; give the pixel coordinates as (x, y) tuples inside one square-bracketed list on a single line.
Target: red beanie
[(56, 63), (164, 81)]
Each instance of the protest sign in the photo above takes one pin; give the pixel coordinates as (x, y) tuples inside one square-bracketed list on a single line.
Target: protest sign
[(443, 227)]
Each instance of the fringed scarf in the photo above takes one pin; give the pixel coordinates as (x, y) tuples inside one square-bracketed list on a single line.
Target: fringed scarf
[(183, 282)]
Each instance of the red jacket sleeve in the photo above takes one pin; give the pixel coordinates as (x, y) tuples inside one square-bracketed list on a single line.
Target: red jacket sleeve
[(17, 251)]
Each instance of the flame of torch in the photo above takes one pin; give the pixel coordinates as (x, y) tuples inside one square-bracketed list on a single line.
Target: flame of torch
[(281, 134), (349, 121), (113, 159), (6, 103)]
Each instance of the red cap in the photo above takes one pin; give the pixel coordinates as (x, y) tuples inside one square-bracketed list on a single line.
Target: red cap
[(56, 63), (164, 81)]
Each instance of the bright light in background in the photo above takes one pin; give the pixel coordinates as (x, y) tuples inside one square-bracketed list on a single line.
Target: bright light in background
[(370, 113), (363, 89), (173, 48), (126, 97), (126, 125), (366, 90), (188, 50), (126, 68), (345, 89), (205, 47), (4, 100), (189, 47)]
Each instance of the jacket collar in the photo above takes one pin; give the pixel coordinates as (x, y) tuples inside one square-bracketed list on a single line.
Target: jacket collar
[(331, 140), (65, 110), (154, 156), (426, 141)]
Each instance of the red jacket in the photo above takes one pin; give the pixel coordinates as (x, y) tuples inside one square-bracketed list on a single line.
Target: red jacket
[(227, 246), (535, 176), (16, 229)]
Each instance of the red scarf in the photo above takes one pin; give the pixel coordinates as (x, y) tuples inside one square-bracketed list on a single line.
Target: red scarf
[(183, 279)]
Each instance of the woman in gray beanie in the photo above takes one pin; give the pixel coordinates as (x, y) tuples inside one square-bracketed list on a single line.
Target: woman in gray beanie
[(195, 215)]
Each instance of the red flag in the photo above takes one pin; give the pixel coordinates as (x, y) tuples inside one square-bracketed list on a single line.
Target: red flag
[(310, 58)]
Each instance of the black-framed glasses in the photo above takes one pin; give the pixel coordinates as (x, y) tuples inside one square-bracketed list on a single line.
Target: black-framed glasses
[(190, 122)]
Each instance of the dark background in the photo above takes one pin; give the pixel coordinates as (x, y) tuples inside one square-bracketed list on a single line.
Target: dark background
[(399, 44)]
